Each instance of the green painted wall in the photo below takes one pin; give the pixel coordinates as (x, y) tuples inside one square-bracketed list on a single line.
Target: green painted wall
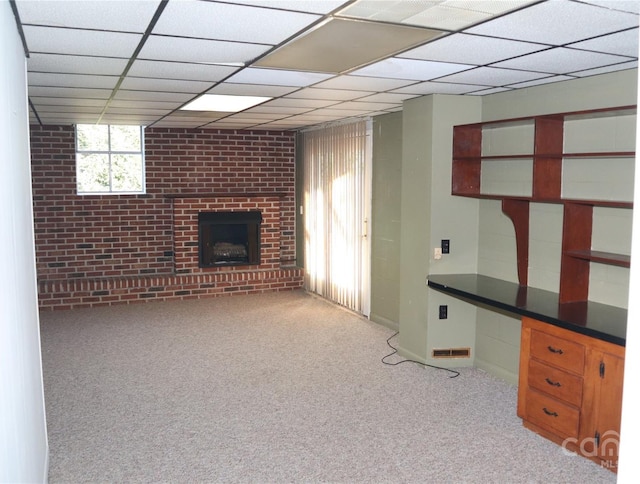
[(429, 214), (385, 219)]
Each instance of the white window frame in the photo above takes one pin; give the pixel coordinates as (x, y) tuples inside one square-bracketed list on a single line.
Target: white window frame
[(109, 152)]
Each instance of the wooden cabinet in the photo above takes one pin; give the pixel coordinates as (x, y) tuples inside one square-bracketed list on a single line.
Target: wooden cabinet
[(570, 390), (544, 159)]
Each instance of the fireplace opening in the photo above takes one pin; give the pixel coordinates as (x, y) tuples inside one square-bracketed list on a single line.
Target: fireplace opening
[(229, 238)]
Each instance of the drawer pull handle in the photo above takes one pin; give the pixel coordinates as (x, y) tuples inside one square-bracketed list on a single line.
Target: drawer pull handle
[(557, 351), (553, 383), (548, 412)]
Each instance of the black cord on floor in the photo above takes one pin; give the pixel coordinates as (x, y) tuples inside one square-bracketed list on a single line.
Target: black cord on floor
[(395, 350)]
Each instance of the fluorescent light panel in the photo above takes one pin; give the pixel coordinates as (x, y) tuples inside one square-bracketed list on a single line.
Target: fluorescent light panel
[(224, 103)]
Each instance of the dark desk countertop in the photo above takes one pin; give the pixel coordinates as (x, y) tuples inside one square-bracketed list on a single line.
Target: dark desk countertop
[(608, 323)]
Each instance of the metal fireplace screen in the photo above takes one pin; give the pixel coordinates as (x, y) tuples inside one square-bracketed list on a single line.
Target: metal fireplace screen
[(229, 238)]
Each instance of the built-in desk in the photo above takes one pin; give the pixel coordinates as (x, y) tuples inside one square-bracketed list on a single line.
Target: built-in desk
[(600, 321), (571, 362)]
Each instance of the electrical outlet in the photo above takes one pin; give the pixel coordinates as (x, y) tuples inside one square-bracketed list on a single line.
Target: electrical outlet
[(437, 253), (442, 314), (444, 245)]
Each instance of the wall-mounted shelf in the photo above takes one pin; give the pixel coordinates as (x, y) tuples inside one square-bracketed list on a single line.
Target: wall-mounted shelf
[(551, 145)]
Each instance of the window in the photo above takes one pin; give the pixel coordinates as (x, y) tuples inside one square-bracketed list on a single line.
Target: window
[(109, 159)]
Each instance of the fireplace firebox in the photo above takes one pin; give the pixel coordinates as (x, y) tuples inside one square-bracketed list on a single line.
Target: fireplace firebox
[(229, 238)]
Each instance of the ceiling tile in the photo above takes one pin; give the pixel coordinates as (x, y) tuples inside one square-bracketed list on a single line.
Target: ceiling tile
[(123, 16), (361, 83), (492, 76), (200, 51), (279, 110), (560, 61), (167, 106), (622, 5), (299, 103), (258, 25), (164, 85), (434, 87), (386, 97), (313, 6), (335, 94), (251, 89), (72, 80), (180, 70), (603, 70), (621, 43), (124, 94), (70, 92), (49, 108), (255, 75), (418, 70), (537, 82), (557, 23), (76, 64), (377, 106), (66, 101), (80, 42), (490, 91), (471, 49)]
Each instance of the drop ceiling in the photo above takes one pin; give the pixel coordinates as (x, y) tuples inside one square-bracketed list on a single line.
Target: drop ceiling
[(141, 61)]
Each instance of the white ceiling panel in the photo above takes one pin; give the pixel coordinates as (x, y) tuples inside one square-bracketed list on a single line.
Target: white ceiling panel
[(361, 83), (490, 91), (285, 111), (80, 42), (115, 15), (603, 70), (386, 97), (377, 106), (299, 103), (537, 82), (560, 60), (180, 70), (557, 23), (251, 89), (200, 51), (492, 76), (164, 85), (313, 6), (335, 94), (276, 77), (418, 70), (622, 43), (72, 80), (231, 22), (471, 49), (434, 87), (180, 97), (632, 6), (76, 64), (71, 92), (67, 101)]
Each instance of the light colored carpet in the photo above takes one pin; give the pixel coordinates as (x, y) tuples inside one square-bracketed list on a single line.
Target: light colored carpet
[(280, 387)]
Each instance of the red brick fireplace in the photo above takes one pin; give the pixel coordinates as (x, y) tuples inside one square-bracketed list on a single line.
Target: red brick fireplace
[(101, 250)]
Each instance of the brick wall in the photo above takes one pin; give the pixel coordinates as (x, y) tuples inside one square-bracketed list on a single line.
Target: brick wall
[(126, 246)]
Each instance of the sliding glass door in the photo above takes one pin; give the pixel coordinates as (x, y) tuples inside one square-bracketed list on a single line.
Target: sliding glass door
[(337, 206)]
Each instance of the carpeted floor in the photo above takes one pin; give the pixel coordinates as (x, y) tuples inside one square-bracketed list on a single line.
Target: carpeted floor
[(280, 387)]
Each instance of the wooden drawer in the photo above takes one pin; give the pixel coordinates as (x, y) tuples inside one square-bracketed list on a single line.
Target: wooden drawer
[(558, 352), (552, 415), (556, 383)]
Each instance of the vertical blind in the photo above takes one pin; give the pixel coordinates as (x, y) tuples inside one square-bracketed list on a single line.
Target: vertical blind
[(335, 211)]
